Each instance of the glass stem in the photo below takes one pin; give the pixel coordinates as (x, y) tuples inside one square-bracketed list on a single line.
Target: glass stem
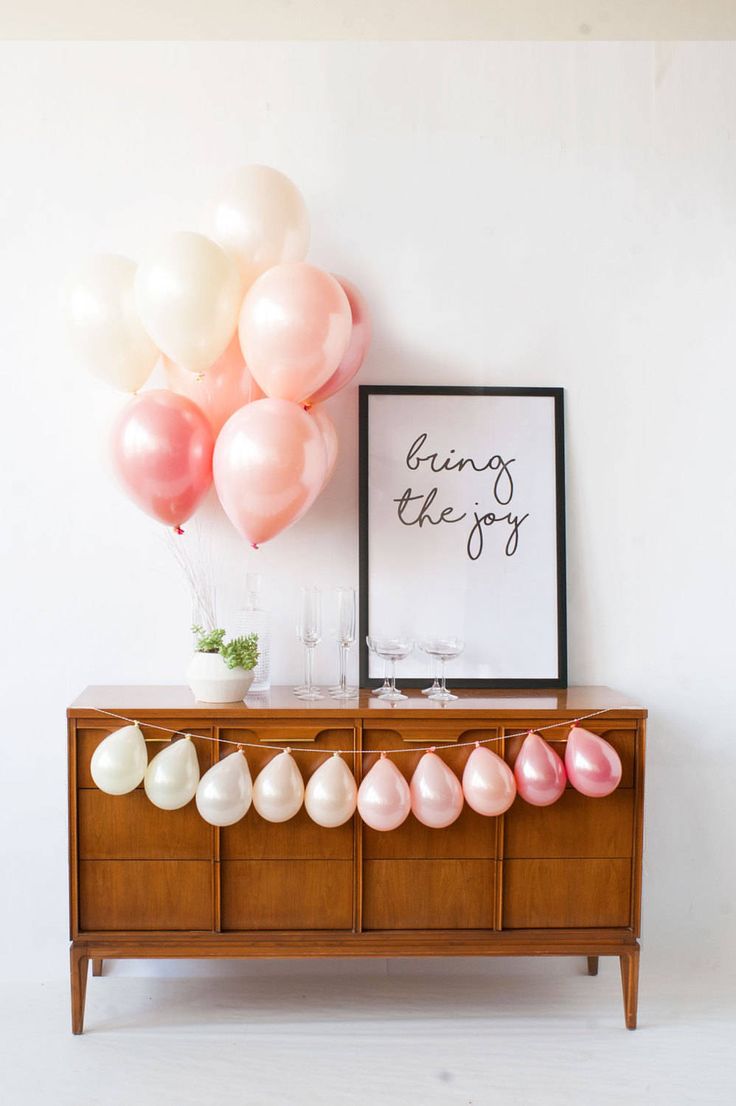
[(308, 668), (444, 678), (393, 675), (306, 665), (343, 657)]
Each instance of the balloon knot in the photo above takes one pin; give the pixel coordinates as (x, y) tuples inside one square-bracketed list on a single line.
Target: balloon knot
[(477, 744), (198, 377), (433, 748), (307, 406), (178, 530), (383, 756), (254, 545)]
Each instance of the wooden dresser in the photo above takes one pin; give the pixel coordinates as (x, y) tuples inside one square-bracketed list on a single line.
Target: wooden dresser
[(563, 880)]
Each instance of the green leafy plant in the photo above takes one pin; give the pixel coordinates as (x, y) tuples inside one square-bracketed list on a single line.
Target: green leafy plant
[(208, 642), (241, 652)]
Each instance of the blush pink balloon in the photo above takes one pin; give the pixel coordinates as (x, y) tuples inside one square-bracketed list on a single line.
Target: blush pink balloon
[(329, 434), (539, 772), (384, 801), (162, 451), (294, 329), (436, 794), (593, 766), (226, 386), (488, 782), (360, 339), (269, 467)]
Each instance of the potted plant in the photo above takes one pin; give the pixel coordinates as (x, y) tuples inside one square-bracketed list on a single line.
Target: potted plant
[(221, 671)]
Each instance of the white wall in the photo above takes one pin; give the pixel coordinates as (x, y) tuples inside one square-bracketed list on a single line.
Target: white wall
[(516, 214)]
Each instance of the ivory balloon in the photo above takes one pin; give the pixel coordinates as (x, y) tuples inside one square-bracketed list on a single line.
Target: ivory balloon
[(119, 762), (188, 293), (488, 782), (329, 435), (331, 794), (436, 794), (539, 772), (278, 792), (162, 452), (269, 467), (593, 765), (360, 339), (103, 325), (225, 791), (384, 800), (260, 218), (294, 329), (226, 386), (172, 776)]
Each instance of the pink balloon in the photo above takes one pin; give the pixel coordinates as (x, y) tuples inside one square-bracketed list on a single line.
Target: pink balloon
[(436, 794), (488, 782), (225, 387), (269, 467), (383, 796), (328, 432), (593, 766), (360, 339), (539, 772), (294, 329), (162, 451)]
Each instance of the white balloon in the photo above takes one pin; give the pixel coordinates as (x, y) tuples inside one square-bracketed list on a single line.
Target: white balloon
[(188, 292), (260, 218), (119, 762), (225, 791), (332, 793), (172, 776), (278, 792), (103, 325)]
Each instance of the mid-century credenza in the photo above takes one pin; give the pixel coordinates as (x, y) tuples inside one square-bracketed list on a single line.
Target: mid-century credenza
[(562, 880)]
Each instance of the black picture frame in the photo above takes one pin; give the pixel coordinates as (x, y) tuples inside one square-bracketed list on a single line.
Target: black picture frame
[(366, 392)]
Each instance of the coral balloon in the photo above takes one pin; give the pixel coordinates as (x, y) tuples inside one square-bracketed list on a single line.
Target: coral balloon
[(593, 766), (103, 325), (162, 451), (436, 794), (384, 800), (225, 387), (225, 791), (172, 776), (119, 762), (332, 793), (539, 772), (260, 218), (329, 434), (360, 339), (278, 792), (188, 292), (488, 782), (269, 467), (294, 329)]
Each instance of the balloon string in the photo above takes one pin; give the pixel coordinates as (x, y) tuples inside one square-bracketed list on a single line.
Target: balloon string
[(383, 752)]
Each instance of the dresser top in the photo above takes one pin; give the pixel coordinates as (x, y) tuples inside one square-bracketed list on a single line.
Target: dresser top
[(150, 701)]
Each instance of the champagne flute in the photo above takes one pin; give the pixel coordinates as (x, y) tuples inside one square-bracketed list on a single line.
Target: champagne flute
[(345, 637), (309, 632)]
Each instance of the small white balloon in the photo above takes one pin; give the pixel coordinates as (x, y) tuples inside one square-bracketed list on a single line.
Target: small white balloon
[(331, 794), (225, 791), (172, 776), (278, 792), (119, 762)]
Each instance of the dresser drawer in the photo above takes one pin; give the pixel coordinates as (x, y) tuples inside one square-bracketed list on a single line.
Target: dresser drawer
[(286, 894), (574, 826), (88, 738), (623, 741), (145, 895), (429, 894), (129, 827), (574, 894)]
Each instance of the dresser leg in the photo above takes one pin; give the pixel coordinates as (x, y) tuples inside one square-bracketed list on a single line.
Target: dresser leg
[(630, 985), (78, 975), (96, 967), (592, 965)]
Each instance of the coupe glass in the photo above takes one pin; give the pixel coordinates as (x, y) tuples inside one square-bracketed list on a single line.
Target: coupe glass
[(309, 632), (345, 632), (443, 649), (391, 649)]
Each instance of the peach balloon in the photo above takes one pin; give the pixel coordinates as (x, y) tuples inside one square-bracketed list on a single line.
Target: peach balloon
[(226, 386), (593, 765), (294, 329), (329, 434), (488, 782), (384, 800), (360, 339), (539, 772), (162, 451), (436, 794), (269, 467)]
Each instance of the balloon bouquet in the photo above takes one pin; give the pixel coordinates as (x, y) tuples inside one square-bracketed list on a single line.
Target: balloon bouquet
[(252, 339)]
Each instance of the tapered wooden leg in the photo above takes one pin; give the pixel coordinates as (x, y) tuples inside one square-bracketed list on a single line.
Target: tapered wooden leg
[(630, 985), (592, 965), (79, 962), (96, 967)]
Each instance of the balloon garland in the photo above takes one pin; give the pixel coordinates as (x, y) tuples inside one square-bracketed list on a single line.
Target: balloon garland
[(384, 800)]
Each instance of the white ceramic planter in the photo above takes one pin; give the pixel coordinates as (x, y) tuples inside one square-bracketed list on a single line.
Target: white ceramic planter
[(212, 681)]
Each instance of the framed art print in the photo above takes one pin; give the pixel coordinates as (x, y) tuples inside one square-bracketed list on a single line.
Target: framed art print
[(462, 531)]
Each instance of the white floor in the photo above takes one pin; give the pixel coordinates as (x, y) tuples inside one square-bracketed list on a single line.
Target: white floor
[(413, 1033)]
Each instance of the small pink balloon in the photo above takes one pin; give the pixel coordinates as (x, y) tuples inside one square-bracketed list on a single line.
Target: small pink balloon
[(329, 434), (294, 329), (436, 794), (269, 467), (162, 451), (539, 772), (384, 801), (226, 386), (488, 782), (360, 339), (593, 766)]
